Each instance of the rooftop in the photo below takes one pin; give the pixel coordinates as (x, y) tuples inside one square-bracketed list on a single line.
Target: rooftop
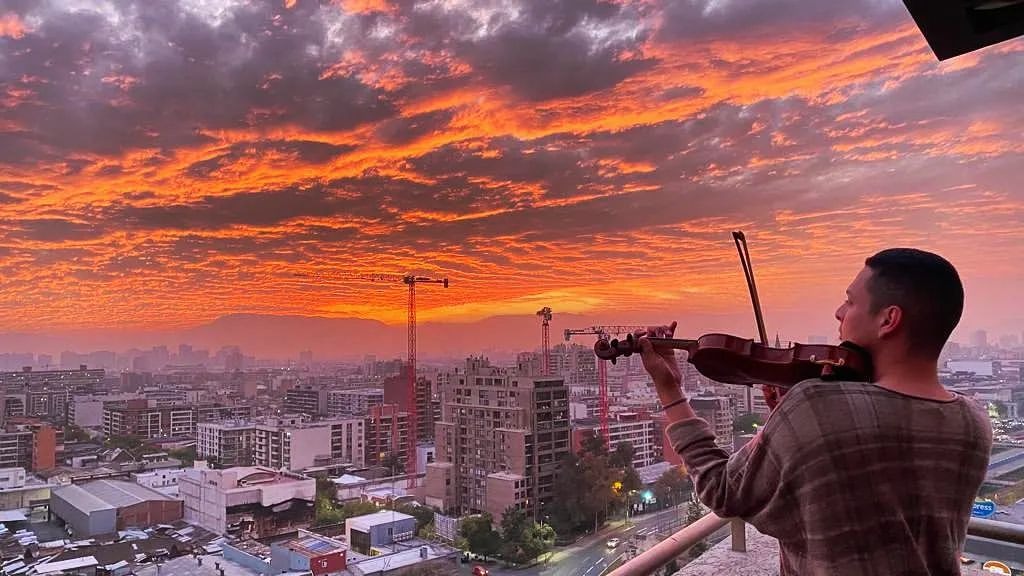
[(376, 519), (311, 545), (389, 562), (107, 494)]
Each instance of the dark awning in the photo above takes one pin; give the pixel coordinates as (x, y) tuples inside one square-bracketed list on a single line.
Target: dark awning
[(955, 27)]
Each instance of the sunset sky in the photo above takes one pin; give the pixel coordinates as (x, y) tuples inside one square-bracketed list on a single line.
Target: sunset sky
[(163, 163)]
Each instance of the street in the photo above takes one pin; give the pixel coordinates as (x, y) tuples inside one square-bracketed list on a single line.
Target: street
[(591, 555)]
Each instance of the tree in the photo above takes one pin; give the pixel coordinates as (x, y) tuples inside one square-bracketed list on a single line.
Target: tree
[(513, 524), (536, 539), (747, 423), (694, 512), (671, 568), (672, 487), (593, 444), (567, 510), (598, 479), (622, 456), (424, 514), (481, 538), (187, 455)]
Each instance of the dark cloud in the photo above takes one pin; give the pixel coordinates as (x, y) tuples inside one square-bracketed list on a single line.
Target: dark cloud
[(216, 212), (164, 76), (305, 151), (556, 49), (54, 230), (404, 130)]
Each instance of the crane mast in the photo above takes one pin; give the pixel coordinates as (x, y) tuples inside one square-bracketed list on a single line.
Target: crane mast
[(603, 332)]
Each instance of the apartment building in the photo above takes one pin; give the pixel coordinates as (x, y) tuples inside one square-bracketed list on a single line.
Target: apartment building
[(136, 418), (296, 445), (500, 440), (387, 435), (396, 391), (353, 402), (308, 399), (632, 427), (228, 443), (719, 412), (81, 380)]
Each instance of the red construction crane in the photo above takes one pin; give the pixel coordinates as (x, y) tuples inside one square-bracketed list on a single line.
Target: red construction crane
[(411, 281), (545, 326), (603, 332)]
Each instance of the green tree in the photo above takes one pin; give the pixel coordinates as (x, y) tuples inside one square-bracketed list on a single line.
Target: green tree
[(672, 487), (598, 480), (481, 538), (513, 524), (747, 423), (671, 568), (567, 510), (695, 512), (536, 539), (622, 456), (186, 455), (424, 514)]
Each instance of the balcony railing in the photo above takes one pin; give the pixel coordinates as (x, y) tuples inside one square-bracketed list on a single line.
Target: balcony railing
[(677, 544)]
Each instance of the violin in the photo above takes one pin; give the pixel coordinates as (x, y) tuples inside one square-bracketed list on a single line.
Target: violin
[(733, 360)]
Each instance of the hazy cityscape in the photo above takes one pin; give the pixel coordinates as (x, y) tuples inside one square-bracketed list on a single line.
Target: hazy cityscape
[(313, 287)]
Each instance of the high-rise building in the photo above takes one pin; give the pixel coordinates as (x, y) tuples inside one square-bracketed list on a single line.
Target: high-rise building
[(353, 402), (228, 443), (500, 441), (719, 412), (306, 399), (296, 445), (636, 429), (396, 391), (387, 436), (979, 339)]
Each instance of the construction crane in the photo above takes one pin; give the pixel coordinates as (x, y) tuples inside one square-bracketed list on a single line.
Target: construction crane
[(411, 281), (545, 326), (602, 333)]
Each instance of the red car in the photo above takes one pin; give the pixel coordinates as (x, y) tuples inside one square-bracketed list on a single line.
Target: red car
[(480, 571)]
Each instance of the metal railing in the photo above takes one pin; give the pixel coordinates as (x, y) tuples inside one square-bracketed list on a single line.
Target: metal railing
[(681, 541)]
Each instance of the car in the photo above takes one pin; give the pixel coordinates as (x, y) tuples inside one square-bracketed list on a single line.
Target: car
[(613, 542), (480, 571)]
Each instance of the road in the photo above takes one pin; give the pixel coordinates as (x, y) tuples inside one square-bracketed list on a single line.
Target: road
[(591, 555)]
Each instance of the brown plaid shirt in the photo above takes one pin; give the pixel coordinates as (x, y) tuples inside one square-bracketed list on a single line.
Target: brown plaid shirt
[(851, 478)]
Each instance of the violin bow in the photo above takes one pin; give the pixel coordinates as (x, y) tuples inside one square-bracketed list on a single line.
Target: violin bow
[(748, 271), (771, 394)]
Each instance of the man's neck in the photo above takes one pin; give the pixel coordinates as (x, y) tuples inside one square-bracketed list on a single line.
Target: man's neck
[(910, 375)]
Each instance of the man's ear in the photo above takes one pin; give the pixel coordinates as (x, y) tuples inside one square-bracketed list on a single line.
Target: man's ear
[(889, 319)]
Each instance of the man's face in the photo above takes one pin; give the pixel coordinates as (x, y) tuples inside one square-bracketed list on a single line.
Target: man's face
[(856, 322)]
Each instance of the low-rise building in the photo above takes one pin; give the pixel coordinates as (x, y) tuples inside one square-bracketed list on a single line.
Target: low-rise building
[(364, 533), (106, 506), (20, 490), (247, 500)]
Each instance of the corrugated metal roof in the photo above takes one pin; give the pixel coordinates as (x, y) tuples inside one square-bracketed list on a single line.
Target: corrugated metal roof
[(107, 494), (81, 499)]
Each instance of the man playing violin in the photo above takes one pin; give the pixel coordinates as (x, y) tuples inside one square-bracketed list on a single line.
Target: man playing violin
[(854, 478)]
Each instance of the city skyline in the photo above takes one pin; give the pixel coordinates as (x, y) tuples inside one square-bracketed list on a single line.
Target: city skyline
[(169, 164)]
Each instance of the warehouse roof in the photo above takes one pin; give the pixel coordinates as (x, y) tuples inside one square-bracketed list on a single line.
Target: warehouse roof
[(107, 495)]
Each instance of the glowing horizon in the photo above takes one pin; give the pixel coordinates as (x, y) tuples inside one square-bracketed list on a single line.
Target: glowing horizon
[(165, 164)]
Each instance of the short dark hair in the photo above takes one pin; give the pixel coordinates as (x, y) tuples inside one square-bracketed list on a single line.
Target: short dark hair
[(927, 289)]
